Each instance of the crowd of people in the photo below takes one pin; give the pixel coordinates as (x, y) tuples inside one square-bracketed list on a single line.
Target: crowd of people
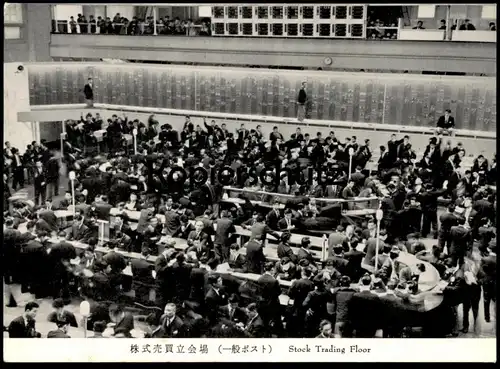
[(197, 290), (120, 25)]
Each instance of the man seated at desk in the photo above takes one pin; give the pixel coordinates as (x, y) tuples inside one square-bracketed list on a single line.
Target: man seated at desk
[(80, 231), (59, 314)]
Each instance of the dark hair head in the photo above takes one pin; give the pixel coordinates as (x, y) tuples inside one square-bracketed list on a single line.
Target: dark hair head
[(252, 307), (213, 278), (115, 309), (345, 281), (99, 326), (92, 241), (31, 305), (323, 324), (58, 303), (365, 280), (234, 298), (269, 266)]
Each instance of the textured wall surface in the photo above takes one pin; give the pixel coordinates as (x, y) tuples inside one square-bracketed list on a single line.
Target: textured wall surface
[(34, 44), (411, 100), (15, 97)]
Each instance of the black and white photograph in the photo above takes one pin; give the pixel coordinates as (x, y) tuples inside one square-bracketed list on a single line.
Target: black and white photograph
[(194, 177)]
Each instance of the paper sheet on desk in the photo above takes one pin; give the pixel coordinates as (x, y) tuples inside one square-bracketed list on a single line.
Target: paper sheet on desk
[(223, 268)]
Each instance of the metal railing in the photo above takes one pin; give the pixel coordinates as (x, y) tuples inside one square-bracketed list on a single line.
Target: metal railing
[(141, 28), (382, 32)]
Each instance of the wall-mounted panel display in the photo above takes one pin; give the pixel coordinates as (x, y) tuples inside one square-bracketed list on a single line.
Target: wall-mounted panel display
[(353, 97)]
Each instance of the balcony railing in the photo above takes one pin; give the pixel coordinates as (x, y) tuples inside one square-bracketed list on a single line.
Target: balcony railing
[(368, 31), (140, 28)]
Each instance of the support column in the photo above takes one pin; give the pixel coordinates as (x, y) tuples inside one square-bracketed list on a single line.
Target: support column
[(447, 34), (155, 16), (54, 18)]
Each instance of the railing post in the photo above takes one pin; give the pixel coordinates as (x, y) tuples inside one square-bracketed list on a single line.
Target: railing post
[(383, 105), (447, 31)]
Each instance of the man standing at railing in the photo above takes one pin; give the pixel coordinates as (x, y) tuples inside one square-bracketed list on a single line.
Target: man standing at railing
[(467, 26), (92, 23), (89, 93), (446, 123), (302, 101)]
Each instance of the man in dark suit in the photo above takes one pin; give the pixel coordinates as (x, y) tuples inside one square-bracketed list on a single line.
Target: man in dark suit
[(361, 302), (198, 280), (52, 176), (284, 249), (17, 169), (391, 305), (298, 292), (198, 240), (24, 326), (274, 216), (223, 234), (461, 241), (115, 259), (255, 327), (172, 220), (11, 253), (164, 277), (325, 328), (215, 298), (487, 278), (260, 230), (101, 207), (304, 251), (35, 259), (335, 239), (446, 123), (287, 223), (185, 228), (142, 276), (171, 325), (40, 183), (79, 231), (61, 331), (484, 207), (255, 257), (447, 221), (270, 292), (232, 313), (338, 261), (467, 26), (181, 272), (47, 215), (89, 93)]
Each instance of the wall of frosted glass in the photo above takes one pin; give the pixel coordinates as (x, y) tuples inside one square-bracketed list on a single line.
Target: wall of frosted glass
[(400, 99)]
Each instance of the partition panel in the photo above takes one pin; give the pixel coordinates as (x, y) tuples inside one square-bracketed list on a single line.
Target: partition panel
[(410, 100)]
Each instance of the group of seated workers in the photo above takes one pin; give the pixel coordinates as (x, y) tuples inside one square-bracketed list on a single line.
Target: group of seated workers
[(194, 261)]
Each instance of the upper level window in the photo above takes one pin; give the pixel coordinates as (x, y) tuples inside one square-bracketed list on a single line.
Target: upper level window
[(13, 20)]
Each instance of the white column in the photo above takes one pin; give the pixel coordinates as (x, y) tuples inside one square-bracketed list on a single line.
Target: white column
[(155, 16), (16, 99), (54, 18)]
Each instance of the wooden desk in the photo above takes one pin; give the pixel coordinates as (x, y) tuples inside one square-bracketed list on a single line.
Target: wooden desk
[(316, 242), (296, 239), (359, 212), (236, 200)]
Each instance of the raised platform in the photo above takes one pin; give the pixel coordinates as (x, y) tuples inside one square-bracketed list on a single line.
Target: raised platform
[(475, 142)]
